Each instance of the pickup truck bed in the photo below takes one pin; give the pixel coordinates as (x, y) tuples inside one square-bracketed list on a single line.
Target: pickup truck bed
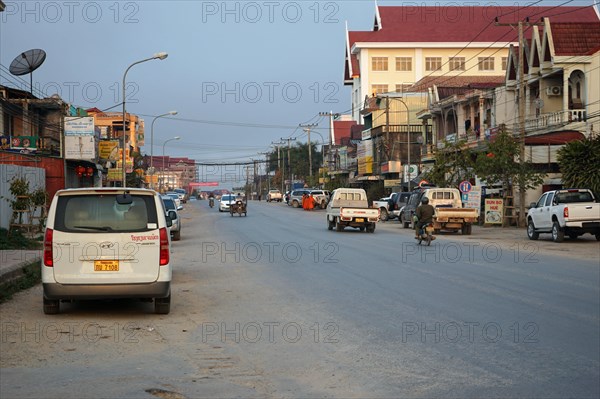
[(349, 208)]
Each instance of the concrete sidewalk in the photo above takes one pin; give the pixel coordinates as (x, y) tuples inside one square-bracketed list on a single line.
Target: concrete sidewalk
[(12, 262)]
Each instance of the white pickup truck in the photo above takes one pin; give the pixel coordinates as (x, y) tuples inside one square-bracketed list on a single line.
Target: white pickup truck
[(573, 212), (349, 207), (274, 195)]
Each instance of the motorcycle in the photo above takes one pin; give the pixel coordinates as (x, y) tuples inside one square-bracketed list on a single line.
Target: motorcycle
[(427, 234), (211, 202)]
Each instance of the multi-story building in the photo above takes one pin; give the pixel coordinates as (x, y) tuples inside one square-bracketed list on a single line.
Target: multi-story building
[(416, 56), (561, 102), (409, 43)]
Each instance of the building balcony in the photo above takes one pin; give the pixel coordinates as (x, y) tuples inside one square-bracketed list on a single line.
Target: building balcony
[(554, 120)]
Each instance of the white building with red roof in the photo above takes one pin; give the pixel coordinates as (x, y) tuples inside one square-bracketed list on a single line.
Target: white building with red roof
[(410, 43)]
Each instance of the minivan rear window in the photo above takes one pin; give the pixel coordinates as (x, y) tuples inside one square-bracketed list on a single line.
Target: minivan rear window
[(94, 213)]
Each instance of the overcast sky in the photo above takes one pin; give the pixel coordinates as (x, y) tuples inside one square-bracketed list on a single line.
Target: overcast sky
[(276, 63)]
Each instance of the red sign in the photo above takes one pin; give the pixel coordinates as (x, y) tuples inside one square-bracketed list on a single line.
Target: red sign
[(204, 184)]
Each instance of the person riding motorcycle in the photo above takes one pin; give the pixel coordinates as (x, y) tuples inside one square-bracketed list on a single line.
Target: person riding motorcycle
[(211, 200), (423, 215)]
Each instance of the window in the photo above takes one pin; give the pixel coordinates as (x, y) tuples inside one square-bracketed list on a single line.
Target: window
[(433, 63), (379, 63), (94, 213), (504, 63), (457, 63), (486, 63), (403, 64), (401, 88), (379, 89)]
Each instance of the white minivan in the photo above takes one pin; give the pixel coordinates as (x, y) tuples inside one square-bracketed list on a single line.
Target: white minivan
[(107, 243)]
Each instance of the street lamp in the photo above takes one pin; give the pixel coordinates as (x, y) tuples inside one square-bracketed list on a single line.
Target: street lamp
[(157, 56), (152, 145), (163, 157)]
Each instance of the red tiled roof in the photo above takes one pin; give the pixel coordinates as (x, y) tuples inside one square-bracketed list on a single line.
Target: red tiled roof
[(465, 24), (457, 24), (575, 38), (462, 81)]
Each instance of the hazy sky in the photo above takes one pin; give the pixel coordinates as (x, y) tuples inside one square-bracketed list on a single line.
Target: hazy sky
[(275, 63)]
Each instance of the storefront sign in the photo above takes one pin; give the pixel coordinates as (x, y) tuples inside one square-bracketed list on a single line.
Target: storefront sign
[(108, 150), (494, 210), (80, 147), (79, 126)]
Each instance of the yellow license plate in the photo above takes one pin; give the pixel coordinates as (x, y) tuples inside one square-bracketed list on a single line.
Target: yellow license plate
[(106, 265), (360, 220)]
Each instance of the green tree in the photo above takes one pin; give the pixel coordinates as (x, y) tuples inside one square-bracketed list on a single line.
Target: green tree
[(579, 163), (299, 162), (453, 164)]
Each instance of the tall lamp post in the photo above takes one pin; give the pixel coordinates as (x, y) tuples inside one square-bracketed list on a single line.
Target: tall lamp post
[(157, 56), (163, 157), (152, 145)]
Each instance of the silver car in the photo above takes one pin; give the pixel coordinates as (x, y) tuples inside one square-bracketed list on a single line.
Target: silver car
[(170, 205)]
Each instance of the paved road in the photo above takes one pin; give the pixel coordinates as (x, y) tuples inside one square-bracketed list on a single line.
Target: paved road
[(274, 305)]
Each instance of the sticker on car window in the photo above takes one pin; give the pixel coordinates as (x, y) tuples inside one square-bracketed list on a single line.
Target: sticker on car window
[(152, 226)]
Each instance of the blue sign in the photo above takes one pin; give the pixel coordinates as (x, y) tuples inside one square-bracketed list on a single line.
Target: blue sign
[(464, 197), (465, 187)]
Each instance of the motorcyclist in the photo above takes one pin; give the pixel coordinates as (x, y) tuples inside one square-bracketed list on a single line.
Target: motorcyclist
[(211, 199), (424, 215)]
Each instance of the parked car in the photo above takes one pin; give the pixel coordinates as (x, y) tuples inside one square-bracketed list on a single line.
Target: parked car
[(118, 246), (176, 198), (449, 212), (169, 204), (384, 206), (296, 197), (321, 197), (226, 201), (398, 205), (573, 212), (183, 195), (274, 195)]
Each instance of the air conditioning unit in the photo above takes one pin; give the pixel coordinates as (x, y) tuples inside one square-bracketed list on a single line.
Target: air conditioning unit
[(554, 91)]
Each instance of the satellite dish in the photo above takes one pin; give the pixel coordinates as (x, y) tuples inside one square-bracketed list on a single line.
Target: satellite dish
[(27, 62)]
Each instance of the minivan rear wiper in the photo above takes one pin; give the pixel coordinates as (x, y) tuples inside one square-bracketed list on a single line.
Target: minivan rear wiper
[(100, 228)]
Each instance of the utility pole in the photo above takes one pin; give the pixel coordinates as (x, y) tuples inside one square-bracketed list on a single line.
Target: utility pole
[(331, 116), (289, 160), (279, 164), (267, 164), (521, 104), (307, 128)]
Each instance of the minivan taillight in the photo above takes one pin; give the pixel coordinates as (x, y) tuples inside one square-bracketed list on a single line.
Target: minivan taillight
[(48, 255), (164, 246)]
